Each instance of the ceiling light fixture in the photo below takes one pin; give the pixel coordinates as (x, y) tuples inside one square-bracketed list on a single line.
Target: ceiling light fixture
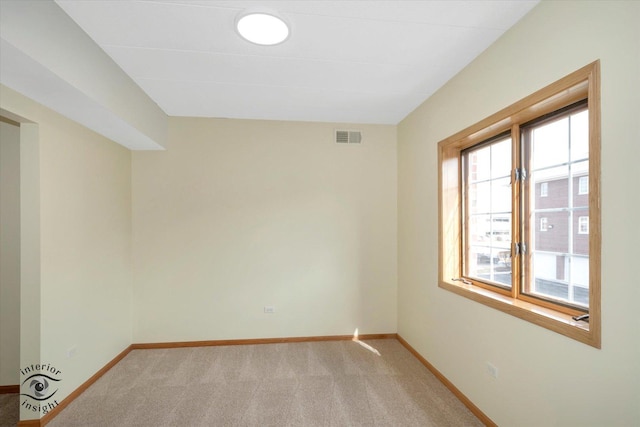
[(262, 28)]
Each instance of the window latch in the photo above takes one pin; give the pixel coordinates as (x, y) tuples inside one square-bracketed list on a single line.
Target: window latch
[(461, 279), (519, 249), (520, 174), (584, 317)]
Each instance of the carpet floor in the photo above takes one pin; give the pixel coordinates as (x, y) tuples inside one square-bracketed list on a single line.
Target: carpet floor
[(9, 410), (332, 383)]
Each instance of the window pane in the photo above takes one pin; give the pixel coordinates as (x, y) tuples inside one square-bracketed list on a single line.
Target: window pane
[(487, 219), (582, 243), (550, 144), (544, 224), (555, 238), (583, 185), (558, 238), (501, 159), (479, 196), (580, 172), (557, 189), (501, 195), (544, 189), (477, 162), (580, 136), (580, 283)]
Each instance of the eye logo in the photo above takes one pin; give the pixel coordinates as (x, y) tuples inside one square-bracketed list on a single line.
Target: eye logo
[(39, 387)]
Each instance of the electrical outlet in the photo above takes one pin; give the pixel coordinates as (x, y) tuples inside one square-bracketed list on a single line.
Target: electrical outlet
[(492, 370), (270, 309)]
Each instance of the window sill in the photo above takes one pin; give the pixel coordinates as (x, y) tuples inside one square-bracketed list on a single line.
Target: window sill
[(547, 318)]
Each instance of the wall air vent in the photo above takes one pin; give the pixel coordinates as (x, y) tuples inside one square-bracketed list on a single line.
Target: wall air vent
[(348, 136)]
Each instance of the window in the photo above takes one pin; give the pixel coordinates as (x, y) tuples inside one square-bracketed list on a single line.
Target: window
[(488, 210), (544, 223), (583, 185), (494, 191), (544, 189), (583, 225)]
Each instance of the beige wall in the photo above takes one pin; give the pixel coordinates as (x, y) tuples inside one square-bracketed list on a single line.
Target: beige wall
[(30, 342), (544, 378), (9, 253), (241, 214), (237, 215), (85, 245)]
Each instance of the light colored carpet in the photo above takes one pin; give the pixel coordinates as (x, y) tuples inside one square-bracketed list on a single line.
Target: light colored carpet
[(9, 410), (334, 383)]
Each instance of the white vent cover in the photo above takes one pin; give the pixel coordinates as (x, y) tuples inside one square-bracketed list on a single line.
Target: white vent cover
[(348, 136)]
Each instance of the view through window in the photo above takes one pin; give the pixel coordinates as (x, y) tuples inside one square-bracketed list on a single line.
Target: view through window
[(553, 167), (487, 231), (556, 153)]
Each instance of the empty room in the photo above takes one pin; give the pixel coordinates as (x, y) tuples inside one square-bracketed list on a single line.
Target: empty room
[(319, 213)]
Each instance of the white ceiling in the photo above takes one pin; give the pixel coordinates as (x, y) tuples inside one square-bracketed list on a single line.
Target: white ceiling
[(345, 61)]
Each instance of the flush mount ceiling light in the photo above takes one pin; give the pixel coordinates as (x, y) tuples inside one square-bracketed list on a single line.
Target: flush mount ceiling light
[(262, 28)]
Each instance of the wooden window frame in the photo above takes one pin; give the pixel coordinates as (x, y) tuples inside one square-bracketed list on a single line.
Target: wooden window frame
[(579, 85)]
